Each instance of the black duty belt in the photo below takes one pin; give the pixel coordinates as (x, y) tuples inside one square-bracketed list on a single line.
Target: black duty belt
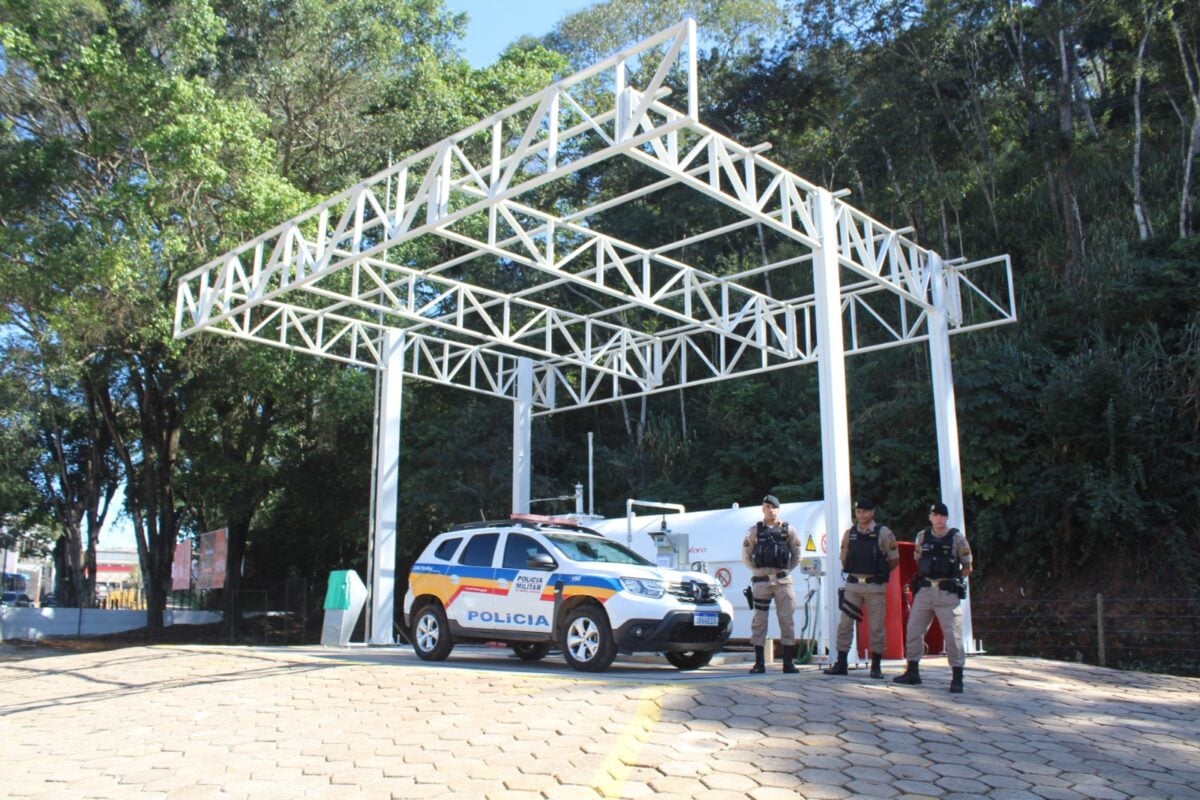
[(875, 579), (761, 578), (946, 585)]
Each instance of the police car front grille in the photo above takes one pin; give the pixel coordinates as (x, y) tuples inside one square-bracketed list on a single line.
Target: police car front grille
[(687, 633), (692, 592)]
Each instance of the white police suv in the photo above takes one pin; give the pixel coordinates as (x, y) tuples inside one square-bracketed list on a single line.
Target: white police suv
[(537, 584)]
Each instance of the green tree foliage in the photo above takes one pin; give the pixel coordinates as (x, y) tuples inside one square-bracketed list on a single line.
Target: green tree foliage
[(726, 27), (1008, 128), (342, 84), (314, 517), (61, 447), (139, 141), (349, 86), (20, 506), (137, 170)]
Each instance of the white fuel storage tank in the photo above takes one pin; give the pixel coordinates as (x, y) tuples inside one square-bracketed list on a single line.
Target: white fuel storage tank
[(714, 545)]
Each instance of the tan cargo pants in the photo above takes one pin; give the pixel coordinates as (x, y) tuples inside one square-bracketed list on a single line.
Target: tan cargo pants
[(779, 590), (946, 606), (873, 598)]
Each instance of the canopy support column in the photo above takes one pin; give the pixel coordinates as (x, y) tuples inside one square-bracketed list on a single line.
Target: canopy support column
[(835, 424), (946, 416), (387, 491), (522, 436)]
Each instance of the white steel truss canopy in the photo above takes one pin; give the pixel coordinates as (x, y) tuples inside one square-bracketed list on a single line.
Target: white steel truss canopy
[(592, 243), (502, 243)]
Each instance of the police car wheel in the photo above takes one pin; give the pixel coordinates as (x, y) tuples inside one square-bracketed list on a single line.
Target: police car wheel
[(587, 639), (430, 634), (531, 651), (692, 659)]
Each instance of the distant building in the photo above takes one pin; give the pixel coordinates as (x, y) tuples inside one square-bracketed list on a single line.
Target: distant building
[(115, 569)]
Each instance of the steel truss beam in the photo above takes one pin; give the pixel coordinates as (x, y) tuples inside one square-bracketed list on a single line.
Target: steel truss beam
[(334, 279)]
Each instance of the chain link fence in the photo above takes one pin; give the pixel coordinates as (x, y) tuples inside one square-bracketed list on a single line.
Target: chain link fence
[(1158, 634), (276, 613)]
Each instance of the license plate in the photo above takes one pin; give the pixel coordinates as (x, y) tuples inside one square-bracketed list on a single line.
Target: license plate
[(704, 619)]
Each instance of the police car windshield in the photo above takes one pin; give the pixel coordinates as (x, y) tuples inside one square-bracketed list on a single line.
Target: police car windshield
[(594, 548)]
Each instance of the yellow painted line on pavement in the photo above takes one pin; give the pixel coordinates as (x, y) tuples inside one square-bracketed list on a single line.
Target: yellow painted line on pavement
[(609, 779)]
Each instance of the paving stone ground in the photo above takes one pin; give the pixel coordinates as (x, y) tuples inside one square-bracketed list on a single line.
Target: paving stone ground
[(225, 722)]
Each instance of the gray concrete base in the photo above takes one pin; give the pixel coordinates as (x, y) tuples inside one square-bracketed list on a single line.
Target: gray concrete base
[(38, 623)]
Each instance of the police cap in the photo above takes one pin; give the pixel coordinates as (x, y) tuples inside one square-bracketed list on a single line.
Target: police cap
[(771, 500), (940, 509), (865, 503)]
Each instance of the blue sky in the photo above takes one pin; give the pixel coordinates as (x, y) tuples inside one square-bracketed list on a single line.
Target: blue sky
[(495, 24)]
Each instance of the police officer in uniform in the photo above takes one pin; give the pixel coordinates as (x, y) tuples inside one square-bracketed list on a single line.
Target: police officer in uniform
[(943, 560), (772, 550), (869, 554)]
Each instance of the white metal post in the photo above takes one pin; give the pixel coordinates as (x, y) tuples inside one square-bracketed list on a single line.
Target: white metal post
[(522, 436), (835, 418), (946, 416), (591, 479), (620, 103), (693, 80), (387, 491)]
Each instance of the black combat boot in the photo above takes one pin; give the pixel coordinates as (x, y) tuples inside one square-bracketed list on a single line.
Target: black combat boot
[(789, 653), (838, 667), (876, 671), (911, 676), (759, 667), (956, 681)]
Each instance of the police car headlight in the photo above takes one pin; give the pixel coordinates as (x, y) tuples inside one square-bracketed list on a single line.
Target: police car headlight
[(716, 588), (643, 587)]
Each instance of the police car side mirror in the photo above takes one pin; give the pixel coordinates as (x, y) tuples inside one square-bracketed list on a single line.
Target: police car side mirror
[(541, 561)]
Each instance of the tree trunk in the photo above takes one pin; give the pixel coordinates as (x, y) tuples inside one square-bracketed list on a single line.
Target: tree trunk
[(64, 589), (635, 431), (150, 498), (1066, 129), (1055, 149), (985, 177), (237, 528), (79, 491), (74, 558), (943, 220), (1191, 71), (683, 425), (1145, 229), (901, 198), (1185, 192), (641, 428), (90, 578), (244, 433)]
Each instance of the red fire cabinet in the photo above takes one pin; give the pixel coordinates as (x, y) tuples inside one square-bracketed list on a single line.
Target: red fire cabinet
[(899, 599)]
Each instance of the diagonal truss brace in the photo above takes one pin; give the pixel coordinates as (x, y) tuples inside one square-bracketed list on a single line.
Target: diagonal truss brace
[(741, 178)]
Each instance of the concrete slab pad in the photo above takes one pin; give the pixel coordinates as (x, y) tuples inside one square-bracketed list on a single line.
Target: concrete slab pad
[(203, 721)]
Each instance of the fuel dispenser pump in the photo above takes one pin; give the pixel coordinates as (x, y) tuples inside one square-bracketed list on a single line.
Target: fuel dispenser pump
[(806, 634), (671, 549)]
